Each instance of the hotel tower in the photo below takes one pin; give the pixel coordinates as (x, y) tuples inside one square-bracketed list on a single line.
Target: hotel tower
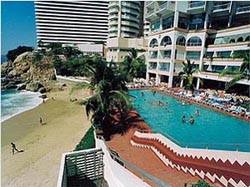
[(71, 22), (207, 33)]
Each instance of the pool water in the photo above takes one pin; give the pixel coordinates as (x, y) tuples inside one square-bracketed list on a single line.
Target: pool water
[(210, 130)]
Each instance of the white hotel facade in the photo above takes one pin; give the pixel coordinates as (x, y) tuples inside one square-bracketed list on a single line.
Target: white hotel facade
[(206, 32), (71, 22)]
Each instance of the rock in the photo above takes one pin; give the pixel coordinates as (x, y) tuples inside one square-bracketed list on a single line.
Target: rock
[(10, 86), (42, 90), (21, 87), (73, 99), (43, 96), (34, 87)]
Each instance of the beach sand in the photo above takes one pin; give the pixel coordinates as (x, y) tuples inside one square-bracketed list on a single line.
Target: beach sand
[(65, 123)]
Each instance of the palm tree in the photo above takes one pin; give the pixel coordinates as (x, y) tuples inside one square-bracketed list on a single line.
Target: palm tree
[(186, 75), (110, 96), (244, 70), (133, 66)]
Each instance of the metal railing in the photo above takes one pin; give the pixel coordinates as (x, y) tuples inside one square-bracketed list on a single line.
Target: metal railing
[(221, 7), (115, 156), (196, 4), (241, 10)]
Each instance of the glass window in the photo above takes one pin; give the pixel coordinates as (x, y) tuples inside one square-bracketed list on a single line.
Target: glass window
[(193, 55), (181, 41), (167, 23), (153, 43), (166, 41), (194, 41)]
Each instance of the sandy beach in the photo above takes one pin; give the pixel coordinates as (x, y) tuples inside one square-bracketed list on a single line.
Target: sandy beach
[(64, 124)]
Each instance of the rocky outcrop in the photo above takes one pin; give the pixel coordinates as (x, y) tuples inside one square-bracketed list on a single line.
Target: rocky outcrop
[(24, 74)]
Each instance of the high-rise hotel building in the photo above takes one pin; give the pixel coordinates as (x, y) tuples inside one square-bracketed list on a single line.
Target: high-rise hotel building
[(71, 22), (125, 29), (206, 32), (125, 19)]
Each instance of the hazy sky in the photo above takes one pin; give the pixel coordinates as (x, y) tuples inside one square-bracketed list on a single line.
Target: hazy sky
[(17, 25)]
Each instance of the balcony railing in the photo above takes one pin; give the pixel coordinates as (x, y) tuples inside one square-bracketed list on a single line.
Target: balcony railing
[(150, 11), (196, 4), (221, 7), (81, 167), (163, 5), (242, 10)]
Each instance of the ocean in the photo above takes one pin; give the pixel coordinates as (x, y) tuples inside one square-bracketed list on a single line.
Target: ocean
[(14, 102)]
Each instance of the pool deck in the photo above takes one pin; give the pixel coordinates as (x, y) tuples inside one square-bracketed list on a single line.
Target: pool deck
[(147, 160)]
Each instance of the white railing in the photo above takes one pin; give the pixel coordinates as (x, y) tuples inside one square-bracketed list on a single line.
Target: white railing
[(242, 10), (83, 164), (232, 156), (196, 4), (221, 7)]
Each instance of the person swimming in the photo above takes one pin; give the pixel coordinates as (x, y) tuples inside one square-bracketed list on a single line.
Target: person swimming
[(191, 120), (183, 119), (197, 112)]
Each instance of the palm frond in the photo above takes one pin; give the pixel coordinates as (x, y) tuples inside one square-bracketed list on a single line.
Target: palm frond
[(234, 81)]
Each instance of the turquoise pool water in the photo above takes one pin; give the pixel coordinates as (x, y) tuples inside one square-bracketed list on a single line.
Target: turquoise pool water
[(210, 130)]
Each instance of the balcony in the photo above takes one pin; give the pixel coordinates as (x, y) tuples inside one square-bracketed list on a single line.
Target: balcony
[(196, 7), (132, 18), (113, 4), (113, 23), (113, 10), (197, 4), (82, 168), (131, 24), (114, 16), (222, 7), (165, 7), (131, 5), (243, 10)]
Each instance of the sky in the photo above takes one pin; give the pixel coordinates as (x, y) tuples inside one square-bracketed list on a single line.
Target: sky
[(17, 25)]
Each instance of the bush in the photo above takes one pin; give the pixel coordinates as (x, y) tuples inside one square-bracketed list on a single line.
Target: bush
[(88, 141), (12, 54)]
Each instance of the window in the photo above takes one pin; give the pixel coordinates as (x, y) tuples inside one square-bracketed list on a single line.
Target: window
[(196, 21), (224, 54), (166, 41), (167, 23), (247, 39), (193, 55), (153, 43), (181, 41), (232, 41), (194, 41), (240, 39)]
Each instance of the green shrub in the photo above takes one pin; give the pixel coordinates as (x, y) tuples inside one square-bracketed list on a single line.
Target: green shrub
[(201, 183), (88, 141)]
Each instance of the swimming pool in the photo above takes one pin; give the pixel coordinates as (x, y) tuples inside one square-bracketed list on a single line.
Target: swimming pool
[(210, 130)]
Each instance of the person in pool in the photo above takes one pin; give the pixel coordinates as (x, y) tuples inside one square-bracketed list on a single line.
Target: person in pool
[(183, 119), (197, 112), (191, 120)]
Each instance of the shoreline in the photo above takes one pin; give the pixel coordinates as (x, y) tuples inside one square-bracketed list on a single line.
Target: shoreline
[(26, 108), (64, 124)]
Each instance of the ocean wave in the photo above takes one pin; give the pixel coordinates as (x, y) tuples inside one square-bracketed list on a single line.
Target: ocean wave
[(15, 102)]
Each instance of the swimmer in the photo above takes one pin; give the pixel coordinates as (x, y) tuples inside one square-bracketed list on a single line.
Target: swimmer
[(183, 119), (191, 120), (197, 112)]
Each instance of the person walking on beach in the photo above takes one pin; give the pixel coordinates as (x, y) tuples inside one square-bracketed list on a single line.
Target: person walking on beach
[(41, 120), (14, 148)]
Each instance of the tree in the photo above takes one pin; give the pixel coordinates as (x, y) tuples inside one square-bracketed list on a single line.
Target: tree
[(186, 75), (110, 96), (133, 66), (244, 70), (12, 54)]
